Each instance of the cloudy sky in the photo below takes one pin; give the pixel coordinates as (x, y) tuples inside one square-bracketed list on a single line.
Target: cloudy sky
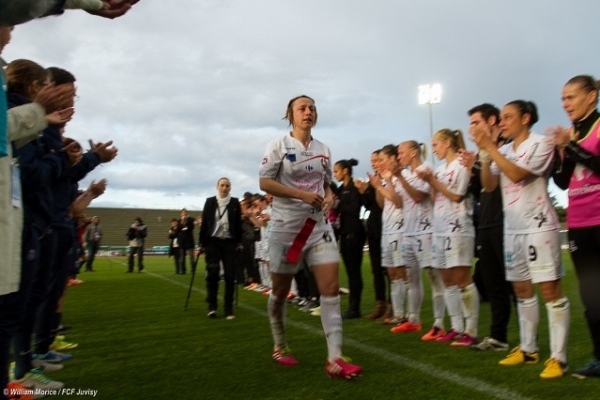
[(192, 90)]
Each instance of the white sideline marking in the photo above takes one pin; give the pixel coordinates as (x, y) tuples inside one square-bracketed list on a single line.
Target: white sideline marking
[(427, 369)]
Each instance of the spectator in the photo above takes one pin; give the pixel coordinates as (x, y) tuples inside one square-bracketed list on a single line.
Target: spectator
[(136, 234), (251, 225), (13, 12), (93, 237), (489, 235), (352, 232), (220, 239), (185, 239), (174, 244)]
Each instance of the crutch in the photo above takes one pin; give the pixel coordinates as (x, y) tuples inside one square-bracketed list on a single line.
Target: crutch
[(194, 264)]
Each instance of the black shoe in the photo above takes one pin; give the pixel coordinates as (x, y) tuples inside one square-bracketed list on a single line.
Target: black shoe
[(350, 314), (592, 370)]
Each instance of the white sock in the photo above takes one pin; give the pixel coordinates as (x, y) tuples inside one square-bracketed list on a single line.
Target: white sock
[(437, 297), (398, 291), (559, 316), (331, 319), (276, 310), (415, 294), (469, 297), (529, 319), (452, 299)]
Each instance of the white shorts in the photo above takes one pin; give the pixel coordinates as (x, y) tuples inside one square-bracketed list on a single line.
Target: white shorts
[(391, 250), (417, 250), (452, 251), (533, 256), (320, 248)]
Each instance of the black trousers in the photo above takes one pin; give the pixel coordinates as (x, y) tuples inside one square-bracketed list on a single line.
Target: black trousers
[(584, 244), (351, 247), (182, 255), (247, 271), (379, 273), (220, 251), (139, 253), (490, 250), (60, 257)]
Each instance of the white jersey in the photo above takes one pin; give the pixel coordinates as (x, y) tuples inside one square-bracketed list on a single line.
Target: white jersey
[(452, 218), (527, 204), (417, 216), (392, 216), (288, 162)]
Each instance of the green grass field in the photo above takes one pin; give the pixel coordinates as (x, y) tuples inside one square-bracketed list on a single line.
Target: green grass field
[(137, 342)]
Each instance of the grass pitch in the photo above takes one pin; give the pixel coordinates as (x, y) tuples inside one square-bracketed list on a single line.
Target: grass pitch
[(137, 342)]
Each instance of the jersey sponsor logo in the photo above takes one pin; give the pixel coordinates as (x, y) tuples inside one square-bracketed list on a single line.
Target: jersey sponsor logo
[(309, 168), (265, 160), (584, 190), (307, 153)]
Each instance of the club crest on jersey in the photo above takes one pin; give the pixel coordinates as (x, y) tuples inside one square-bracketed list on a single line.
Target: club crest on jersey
[(291, 157)]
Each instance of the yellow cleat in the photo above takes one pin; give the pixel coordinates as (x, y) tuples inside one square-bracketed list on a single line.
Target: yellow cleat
[(554, 369), (518, 357), (61, 345)]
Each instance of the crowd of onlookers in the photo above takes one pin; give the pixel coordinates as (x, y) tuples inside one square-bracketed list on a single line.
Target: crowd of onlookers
[(43, 208)]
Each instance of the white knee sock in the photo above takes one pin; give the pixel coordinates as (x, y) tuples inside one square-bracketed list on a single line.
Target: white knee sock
[(331, 319), (559, 316), (398, 292), (452, 299), (469, 297), (529, 319), (437, 297), (415, 295), (276, 310)]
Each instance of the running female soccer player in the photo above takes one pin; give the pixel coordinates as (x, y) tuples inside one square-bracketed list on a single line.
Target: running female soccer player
[(531, 238), (296, 170), (454, 237)]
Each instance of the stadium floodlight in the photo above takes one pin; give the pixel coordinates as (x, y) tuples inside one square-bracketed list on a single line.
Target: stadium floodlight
[(430, 95)]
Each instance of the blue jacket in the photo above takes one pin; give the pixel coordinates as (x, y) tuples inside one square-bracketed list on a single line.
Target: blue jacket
[(40, 170), (65, 190)]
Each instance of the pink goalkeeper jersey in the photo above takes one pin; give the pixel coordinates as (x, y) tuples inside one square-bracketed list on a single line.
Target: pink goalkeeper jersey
[(584, 186)]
